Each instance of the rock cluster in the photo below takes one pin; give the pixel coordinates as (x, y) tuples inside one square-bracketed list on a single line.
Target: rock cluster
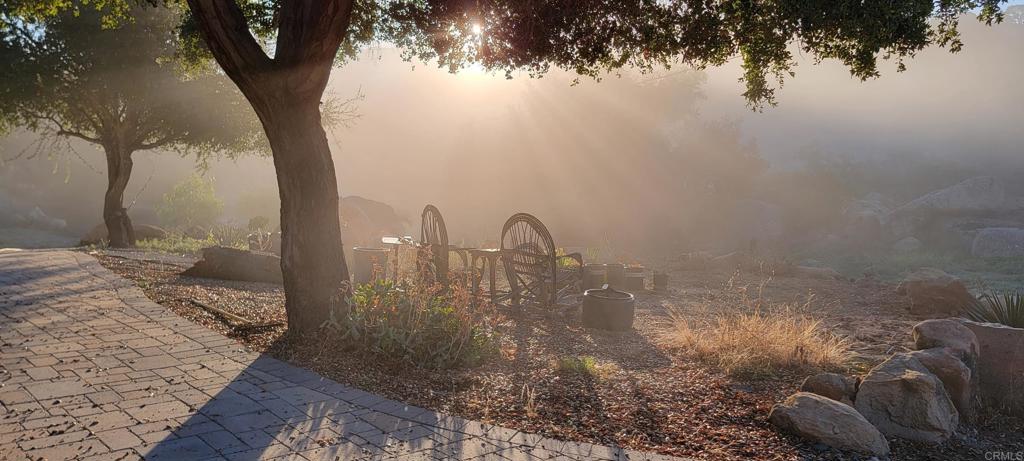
[(921, 395), (979, 214)]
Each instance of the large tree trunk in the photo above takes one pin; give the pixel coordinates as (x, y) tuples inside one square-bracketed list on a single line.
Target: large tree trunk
[(285, 91), (312, 262), (119, 169)]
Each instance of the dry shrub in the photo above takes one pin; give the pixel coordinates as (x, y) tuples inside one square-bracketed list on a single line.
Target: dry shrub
[(761, 341)]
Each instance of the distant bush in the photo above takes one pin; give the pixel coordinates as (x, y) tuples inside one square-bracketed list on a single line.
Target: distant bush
[(420, 325), (259, 224), (190, 203), (1006, 309)]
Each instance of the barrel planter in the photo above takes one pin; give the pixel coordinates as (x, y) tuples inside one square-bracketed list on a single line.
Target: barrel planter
[(616, 277), (369, 264), (608, 309), (660, 281), (594, 275), (634, 281)]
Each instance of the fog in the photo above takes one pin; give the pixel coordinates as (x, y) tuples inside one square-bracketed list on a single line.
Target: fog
[(634, 163)]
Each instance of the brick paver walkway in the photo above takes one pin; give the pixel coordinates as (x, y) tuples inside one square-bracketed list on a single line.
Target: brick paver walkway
[(91, 369)]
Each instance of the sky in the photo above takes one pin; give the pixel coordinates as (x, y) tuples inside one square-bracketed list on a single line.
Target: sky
[(482, 147)]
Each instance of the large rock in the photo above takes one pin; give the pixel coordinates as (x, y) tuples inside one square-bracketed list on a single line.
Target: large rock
[(904, 399), (1000, 365), (142, 232), (959, 380), (907, 245), (37, 219), (998, 242), (934, 293), (234, 264), (978, 194), (951, 334), (835, 386), (365, 221), (864, 218), (827, 421)]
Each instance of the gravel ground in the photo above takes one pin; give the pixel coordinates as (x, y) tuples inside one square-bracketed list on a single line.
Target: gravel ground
[(646, 396)]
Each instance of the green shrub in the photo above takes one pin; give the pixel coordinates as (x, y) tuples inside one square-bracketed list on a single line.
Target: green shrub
[(191, 203), (1006, 309), (176, 243), (420, 325)]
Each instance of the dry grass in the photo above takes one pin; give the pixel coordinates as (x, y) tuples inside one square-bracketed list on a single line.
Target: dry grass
[(745, 337)]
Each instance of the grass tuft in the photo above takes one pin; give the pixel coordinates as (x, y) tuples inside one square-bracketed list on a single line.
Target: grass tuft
[(582, 366)]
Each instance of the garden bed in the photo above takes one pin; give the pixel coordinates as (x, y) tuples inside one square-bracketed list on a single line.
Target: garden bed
[(640, 390)]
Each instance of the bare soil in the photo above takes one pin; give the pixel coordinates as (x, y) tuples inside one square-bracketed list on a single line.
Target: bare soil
[(647, 396)]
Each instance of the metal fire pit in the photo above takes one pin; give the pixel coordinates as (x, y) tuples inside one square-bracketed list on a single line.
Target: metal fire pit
[(608, 309)]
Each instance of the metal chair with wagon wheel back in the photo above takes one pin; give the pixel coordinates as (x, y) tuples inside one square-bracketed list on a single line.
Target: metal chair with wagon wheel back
[(432, 259), (434, 252), (535, 271)]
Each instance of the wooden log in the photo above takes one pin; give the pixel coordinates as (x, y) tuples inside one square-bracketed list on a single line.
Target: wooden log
[(233, 264)]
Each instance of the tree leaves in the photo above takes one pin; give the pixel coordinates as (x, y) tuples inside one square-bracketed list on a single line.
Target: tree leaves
[(598, 36)]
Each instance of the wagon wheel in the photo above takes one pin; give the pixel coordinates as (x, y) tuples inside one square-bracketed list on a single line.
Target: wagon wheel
[(434, 241), (528, 252)]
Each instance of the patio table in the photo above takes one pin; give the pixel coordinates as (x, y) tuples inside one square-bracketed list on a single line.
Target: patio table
[(488, 258)]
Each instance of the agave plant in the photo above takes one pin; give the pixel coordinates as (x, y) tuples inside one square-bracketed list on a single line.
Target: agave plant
[(1007, 309)]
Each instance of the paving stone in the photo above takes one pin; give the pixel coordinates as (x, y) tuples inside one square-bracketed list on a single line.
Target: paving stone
[(42, 373), (191, 447), (224, 442), (98, 372), (47, 390), (158, 411), (119, 438)]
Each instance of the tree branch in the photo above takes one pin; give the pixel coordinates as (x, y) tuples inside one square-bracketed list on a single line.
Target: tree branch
[(61, 129), (155, 144), (78, 135), (231, 43), (311, 30)]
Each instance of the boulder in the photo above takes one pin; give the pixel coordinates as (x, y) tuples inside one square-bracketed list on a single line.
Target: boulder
[(826, 273), (731, 261), (998, 242), (906, 245), (142, 232), (36, 218), (234, 264), (835, 386), (1000, 365), (934, 293), (973, 195), (951, 334), (697, 260), (827, 421), (864, 218), (904, 399), (959, 380)]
